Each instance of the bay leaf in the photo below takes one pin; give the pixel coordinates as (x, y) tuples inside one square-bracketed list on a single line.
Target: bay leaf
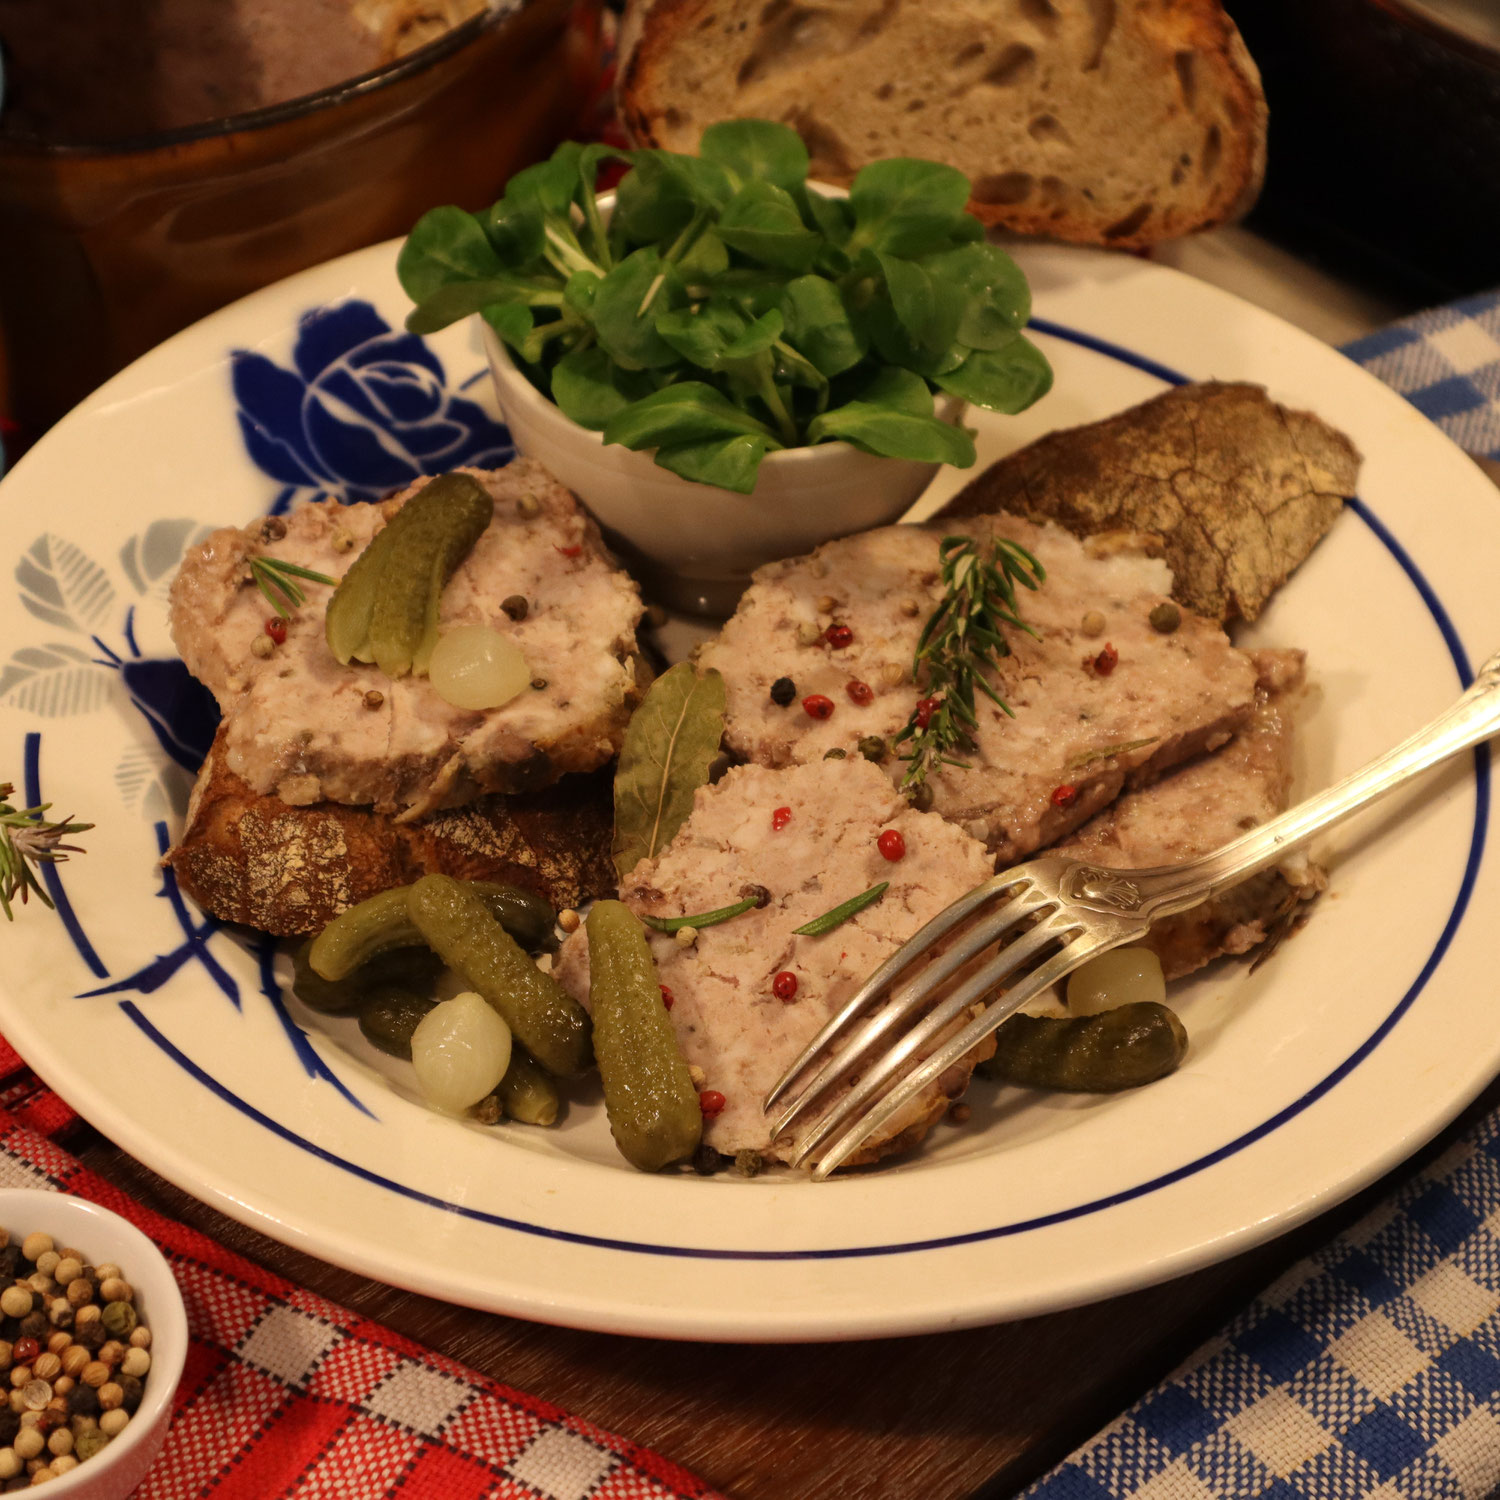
[(670, 743)]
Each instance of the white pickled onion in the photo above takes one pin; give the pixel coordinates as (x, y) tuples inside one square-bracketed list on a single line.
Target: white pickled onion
[(460, 1050), (475, 666), (1122, 977)]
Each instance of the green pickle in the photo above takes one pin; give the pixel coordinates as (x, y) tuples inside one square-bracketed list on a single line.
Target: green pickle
[(413, 968), (385, 609), (382, 923), (1101, 1054), (456, 923), (452, 513), (389, 1016), (527, 1090), (653, 1108)]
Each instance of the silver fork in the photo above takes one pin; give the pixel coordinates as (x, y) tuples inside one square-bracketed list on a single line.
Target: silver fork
[(1070, 912)]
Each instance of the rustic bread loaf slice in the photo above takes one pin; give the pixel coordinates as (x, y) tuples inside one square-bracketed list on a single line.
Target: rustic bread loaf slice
[(253, 859), (1106, 122), (1238, 489)]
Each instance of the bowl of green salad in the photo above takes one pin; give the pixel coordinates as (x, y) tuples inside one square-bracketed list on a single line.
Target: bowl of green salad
[(726, 363)]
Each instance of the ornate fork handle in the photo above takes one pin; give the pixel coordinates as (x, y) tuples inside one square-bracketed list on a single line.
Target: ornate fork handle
[(1161, 892)]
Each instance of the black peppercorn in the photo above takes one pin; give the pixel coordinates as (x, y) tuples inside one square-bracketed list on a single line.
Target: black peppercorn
[(35, 1326), (707, 1161), (91, 1335), (783, 691), (133, 1387), (759, 893), (83, 1401), (10, 1425), (515, 606), (10, 1259)]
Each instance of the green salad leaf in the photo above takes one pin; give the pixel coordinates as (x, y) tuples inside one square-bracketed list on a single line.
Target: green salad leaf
[(727, 309)]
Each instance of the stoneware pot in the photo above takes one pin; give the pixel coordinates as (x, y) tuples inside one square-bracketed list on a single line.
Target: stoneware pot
[(105, 250), (102, 1236), (694, 546)]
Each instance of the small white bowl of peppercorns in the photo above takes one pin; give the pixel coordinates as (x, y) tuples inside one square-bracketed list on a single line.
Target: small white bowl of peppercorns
[(93, 1338)]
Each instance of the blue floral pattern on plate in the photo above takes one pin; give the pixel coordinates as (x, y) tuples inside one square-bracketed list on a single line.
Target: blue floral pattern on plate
[(365, 409)]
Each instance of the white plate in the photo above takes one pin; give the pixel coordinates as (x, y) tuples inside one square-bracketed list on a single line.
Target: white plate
[(1304, 1082)]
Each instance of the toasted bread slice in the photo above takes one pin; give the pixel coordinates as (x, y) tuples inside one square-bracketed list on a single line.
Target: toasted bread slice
[(286, 870), (1238, 489), (1105, 122)]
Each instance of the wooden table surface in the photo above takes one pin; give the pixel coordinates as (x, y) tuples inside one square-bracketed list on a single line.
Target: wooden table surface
[(946, 1416)]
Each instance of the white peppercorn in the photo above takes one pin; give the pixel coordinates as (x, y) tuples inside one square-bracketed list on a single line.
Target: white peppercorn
[(136, 1362), (106, 1271), (19, 1375), (47, 1262), (28, 1443), (63, 1463), (568, 919), (67, 1269), (42, 1475), (10, 1463), (15, 1301), (113, 1423), (36, 1244), (110, 1396), (686, 936)]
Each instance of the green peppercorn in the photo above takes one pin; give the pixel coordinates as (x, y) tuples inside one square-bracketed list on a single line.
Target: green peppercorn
[(783, 690), (920, 796), (873, 748), (747, 1163), (87, 1444), (1165, 618), (835, 754), (119, 1319)]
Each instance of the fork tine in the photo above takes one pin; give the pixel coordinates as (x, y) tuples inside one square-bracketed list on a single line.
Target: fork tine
[(902, 1004), (872, 1082), (913, 947), (1059, 966)]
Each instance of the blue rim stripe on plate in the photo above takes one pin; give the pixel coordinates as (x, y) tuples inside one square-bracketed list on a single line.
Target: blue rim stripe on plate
[(1456, 915)]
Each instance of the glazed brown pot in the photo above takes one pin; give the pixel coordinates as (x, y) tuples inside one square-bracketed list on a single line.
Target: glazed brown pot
[(104, 251)]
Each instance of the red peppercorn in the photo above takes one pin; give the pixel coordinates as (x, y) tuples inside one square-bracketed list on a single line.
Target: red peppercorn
[(860, 692), (667, 997), (816, 706), (780, 818), (276, 629), (711, 1102), (784, 985), (1064, 796), (1105, 662), (926, 707), (25, 1351), (570, 551), (891, 844), (838, 636)]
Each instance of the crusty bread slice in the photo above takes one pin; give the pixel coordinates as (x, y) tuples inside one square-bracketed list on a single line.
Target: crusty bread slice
[(1106, 122), (287, 870)]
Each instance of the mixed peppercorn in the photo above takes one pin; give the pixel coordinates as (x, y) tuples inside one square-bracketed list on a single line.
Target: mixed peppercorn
[(76, 1355)]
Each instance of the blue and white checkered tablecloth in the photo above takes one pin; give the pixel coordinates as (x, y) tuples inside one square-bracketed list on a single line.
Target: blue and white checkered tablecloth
[(1371, 1370)]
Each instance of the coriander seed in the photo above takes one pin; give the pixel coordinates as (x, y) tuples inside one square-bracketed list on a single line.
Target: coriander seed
[(95, 1373), (568, 919), (110, 1396), (808, 634)]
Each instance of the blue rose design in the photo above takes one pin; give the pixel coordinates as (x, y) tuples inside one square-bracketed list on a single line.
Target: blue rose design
[(364, 411)]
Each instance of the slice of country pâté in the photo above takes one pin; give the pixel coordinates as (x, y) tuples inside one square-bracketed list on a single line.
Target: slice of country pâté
[(1096, 709), (808, 836), (300, 726)]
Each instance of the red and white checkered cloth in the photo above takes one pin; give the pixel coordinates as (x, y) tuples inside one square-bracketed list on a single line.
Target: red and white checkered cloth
[(287, 1395)]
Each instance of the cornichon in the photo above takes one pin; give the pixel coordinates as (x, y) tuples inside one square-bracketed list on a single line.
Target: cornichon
[(649, 1097), (384, 922), (1116, 1049), (456, 924), (389, 1016), (386, 608), (415, 968), (527, 1090)]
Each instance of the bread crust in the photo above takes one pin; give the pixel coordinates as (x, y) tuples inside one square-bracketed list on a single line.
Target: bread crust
[(260, 862), (653, 34)]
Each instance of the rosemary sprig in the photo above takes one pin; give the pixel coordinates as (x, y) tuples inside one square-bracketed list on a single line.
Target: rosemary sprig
[(961, 642), (277, 580), (27, 840)]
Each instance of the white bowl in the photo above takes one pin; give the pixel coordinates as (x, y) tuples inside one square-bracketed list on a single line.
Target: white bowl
[(694, 546), (102, 1236)]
